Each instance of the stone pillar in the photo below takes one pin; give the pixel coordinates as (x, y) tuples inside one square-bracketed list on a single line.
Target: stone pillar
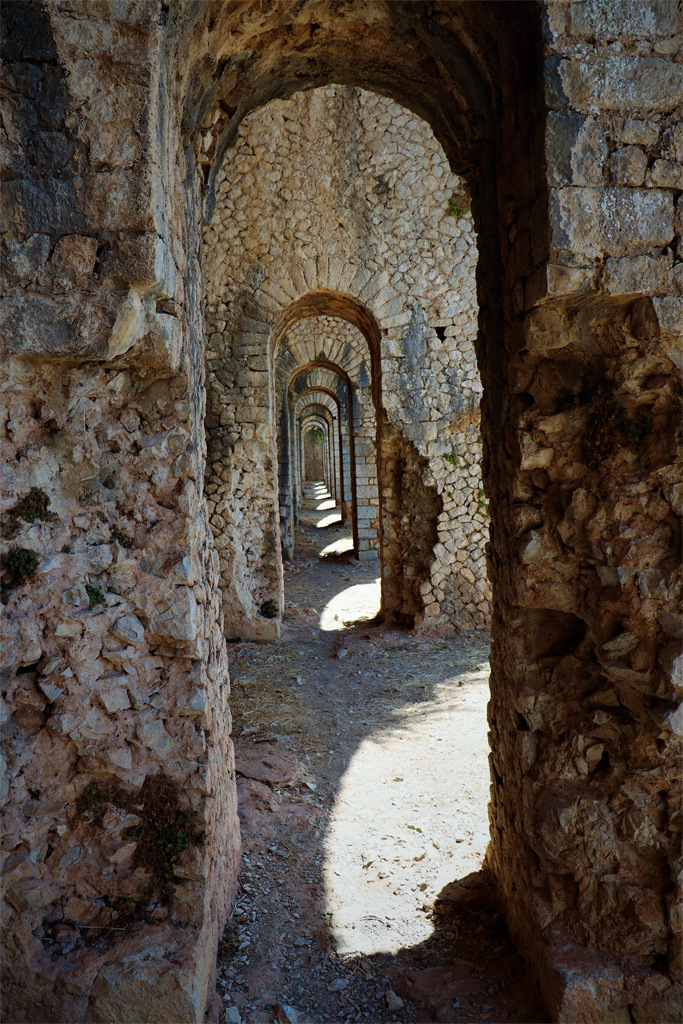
[(581, 442), (114, 666)]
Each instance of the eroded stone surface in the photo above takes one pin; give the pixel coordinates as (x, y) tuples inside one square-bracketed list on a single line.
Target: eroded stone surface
[(116, 119)]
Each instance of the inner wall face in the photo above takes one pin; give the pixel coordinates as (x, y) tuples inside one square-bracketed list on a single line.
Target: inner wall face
[(341, 189), (314, 455)]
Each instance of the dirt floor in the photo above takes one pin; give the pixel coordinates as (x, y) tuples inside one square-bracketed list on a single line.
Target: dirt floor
[(361, 754)]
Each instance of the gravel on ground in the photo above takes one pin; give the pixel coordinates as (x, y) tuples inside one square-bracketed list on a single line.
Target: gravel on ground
[(362, 760)]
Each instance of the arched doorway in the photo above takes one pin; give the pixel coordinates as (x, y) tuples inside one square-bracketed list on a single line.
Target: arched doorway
[(121, 302)]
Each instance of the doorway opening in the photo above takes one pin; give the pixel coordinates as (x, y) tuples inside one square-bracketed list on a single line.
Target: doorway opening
[(380, 518), (361, 755), (392, 305)]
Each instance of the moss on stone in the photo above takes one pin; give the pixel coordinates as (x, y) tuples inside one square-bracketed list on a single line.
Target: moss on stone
[(459, 203), (33, 506), (20, 566), (164, 832), (95, 595)]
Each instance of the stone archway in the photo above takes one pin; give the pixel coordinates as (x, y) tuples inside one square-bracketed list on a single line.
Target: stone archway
[(331, 381), (315, 468), (305, 401), (579, 292)]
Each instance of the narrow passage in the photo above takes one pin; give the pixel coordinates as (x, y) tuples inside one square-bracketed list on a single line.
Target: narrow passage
[(361, 754)]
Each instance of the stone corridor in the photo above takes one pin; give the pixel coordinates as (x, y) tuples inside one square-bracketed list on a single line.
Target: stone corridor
[(447, 235), (348, 738)]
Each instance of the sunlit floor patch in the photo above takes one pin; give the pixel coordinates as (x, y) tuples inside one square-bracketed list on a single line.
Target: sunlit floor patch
[(355, 604), (316, 491), (418, 787), (327, 504), (335, 517), (338, 547)]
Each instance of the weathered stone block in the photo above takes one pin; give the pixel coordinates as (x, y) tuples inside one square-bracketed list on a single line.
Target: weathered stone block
[(669, 312), (26, 260), (628, 84), (666, 174), (143, 260), (144, 984), (54, 209), (615, 221), (628, 165), (647, 275), (115, 700), (129, 629), (605, 20), (638, 133), (124, 200)]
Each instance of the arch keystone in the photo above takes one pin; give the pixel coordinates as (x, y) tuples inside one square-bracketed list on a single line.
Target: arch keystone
[(347, 275), (323, 271), (336, 266), (361, 279), (299, 281), (374, 286)]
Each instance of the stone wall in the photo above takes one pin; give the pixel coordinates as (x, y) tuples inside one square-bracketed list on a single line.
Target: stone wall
[(346, 174), (113, 663), (586, 653), (116, 119)]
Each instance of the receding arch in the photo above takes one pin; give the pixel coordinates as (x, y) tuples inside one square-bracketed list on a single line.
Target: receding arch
[(318, 302), (341, 374), (441, 68), (330, 303), (317, 416), (305, 402)]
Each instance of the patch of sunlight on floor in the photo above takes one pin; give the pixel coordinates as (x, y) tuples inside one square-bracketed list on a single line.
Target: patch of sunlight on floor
[(331, 503), (355, 604), (338, 547), (418, 786), (328, 520)]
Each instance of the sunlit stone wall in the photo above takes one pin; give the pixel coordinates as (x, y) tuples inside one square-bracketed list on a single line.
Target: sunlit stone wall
[(350, 176)]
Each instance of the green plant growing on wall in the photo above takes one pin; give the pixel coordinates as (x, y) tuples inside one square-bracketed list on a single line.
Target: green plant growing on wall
[(452, 458), (163, 833), (20, 565), (95, 595), (316, 435), (459, 203), (482, 504), (33, 506), (609, 426), (122, 538)]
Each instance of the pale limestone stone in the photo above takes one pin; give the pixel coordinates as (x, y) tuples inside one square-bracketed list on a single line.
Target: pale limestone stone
[(628, 165)]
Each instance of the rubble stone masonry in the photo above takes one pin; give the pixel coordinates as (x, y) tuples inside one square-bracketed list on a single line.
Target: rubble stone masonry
[(345, 175), (139, 180)]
